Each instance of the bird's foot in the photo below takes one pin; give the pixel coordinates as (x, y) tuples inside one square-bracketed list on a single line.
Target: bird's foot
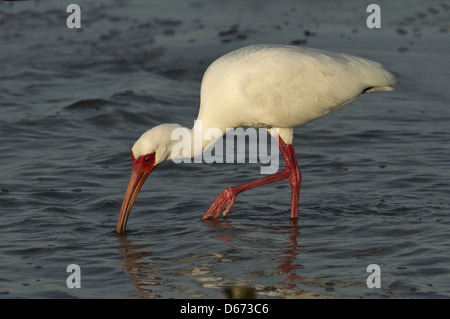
[(223, 202)]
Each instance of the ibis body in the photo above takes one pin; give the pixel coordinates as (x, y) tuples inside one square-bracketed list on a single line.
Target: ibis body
[(262, 86)]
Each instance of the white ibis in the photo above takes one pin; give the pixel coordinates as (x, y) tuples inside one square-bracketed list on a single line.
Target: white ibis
[(261, 86)]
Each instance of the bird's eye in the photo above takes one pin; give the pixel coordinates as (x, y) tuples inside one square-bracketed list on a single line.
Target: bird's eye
[(147, 159)]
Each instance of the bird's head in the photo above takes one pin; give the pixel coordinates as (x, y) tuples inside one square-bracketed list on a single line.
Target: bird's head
[(152, 148)]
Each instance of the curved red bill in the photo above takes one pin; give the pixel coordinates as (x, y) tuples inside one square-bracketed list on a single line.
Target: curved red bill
[(142, 167)]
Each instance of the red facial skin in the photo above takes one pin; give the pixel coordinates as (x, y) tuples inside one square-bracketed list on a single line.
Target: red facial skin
[(142, 167)]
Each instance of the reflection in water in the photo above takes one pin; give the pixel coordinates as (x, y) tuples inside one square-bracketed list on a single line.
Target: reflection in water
[(287, 257), (221, 224), (140, 271), (153, 275)]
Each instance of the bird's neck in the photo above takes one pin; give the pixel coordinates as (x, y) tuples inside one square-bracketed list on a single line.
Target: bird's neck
[(189, 143)]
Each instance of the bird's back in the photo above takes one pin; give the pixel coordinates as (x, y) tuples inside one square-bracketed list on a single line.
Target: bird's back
[(284, 86)]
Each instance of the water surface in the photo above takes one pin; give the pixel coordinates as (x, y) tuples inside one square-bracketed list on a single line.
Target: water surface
[(375, 173)]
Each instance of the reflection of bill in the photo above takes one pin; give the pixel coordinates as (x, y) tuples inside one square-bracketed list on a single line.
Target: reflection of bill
[(153, 274)]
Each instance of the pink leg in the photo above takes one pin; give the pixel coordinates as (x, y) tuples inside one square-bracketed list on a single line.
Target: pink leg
[(226, 199)]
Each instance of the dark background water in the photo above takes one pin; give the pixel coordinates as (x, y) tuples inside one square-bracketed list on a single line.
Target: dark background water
[(375, 173)]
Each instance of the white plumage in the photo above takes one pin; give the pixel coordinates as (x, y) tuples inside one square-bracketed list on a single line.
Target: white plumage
[(283, 86), (264, 86)]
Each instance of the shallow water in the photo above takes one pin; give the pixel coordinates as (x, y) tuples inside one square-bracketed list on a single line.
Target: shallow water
[(375, 173)]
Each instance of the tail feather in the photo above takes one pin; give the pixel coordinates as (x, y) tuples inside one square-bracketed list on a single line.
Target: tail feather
[(377, 89)]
